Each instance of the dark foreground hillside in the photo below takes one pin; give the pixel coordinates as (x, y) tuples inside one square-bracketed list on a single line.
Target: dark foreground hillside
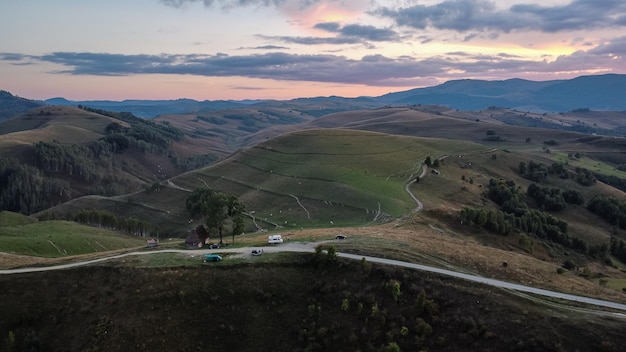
[(302, 304)]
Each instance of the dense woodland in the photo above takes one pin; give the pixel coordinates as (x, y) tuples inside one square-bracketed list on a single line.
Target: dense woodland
[(59, 172), (516, 213), (27, 189)]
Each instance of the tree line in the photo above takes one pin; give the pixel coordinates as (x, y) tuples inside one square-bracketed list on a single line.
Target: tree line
[(45, 180), (554, 198), (538, 172), (515, 215), (104, 219), (25, 189), (610, 209)]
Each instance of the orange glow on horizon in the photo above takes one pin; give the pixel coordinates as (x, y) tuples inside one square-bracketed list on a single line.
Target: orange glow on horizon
[(326, 11)]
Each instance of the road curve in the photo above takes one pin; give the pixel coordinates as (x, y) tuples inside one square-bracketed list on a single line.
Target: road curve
[(310, 247), (491, 282), (407, 189)]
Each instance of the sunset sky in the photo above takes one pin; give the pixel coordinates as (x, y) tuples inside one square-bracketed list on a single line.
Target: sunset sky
[(282, 49)]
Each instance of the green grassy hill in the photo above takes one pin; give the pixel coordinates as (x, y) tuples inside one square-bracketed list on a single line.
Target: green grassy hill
[(52, 239), (8, 218), (312, 178)]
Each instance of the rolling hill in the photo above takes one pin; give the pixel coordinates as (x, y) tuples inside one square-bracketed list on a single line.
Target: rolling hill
[(357, 172), (53, 154), (11, 105)]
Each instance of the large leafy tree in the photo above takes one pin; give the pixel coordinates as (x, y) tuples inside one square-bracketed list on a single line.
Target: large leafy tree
[(218, 208), (235, 210)]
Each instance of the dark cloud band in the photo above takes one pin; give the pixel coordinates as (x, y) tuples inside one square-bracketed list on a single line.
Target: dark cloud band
[(483, 15), (374, 70)]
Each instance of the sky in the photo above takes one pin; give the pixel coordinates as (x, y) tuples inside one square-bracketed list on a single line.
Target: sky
[(284, 49)]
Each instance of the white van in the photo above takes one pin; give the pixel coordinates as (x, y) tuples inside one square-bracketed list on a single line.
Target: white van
[(275, 239)]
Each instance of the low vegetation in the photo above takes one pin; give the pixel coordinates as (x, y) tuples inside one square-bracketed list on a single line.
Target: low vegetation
[(52, 239), (298, 304)]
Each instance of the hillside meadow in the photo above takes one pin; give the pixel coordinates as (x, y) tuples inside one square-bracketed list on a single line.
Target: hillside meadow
[(312, 178), (55, 239)]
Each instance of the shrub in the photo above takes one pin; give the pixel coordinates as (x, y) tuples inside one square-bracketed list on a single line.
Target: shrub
[(569, 265)]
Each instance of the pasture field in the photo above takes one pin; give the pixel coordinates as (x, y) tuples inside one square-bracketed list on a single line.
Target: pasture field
[(55, 238), (9, 218), (318, 177), (312, 178)]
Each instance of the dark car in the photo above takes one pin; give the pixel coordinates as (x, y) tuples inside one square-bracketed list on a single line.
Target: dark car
[(257, 252), (214, 245), (341, 237), (211, 257)]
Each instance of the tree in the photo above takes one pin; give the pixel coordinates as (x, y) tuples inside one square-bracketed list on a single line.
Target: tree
[(428, 161), (217, 214), (235, 211), (217, 207)]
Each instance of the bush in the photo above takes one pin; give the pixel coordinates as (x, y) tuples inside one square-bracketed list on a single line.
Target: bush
[(569, 265)]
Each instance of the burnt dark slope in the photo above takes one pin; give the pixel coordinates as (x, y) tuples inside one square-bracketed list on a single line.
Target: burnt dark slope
[(298, 305)]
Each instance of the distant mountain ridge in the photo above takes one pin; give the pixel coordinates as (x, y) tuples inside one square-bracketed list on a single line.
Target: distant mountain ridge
[(597, 92), (601, 92)]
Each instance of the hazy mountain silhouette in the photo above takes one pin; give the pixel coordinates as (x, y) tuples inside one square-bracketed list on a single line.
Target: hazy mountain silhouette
[(599, 92)]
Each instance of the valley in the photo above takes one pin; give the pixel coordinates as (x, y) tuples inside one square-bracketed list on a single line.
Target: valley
[(531, 198)]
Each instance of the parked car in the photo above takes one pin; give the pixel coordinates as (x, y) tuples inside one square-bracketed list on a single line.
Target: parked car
[(214, 246), (341, 237), (275, 239), (212, 257), (257, 252)]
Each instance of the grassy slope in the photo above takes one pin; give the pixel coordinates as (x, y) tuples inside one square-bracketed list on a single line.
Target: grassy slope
[(65, 124), (9, 218), (339, 176), (61, 238)]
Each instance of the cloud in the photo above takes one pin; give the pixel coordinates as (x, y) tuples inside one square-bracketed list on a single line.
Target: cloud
[(348, 34), (370, 33), (483, 15), (265, 47), (328, 26), (373, 70), (300, 12), (229, 3), (297, 5), (314, 40)]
